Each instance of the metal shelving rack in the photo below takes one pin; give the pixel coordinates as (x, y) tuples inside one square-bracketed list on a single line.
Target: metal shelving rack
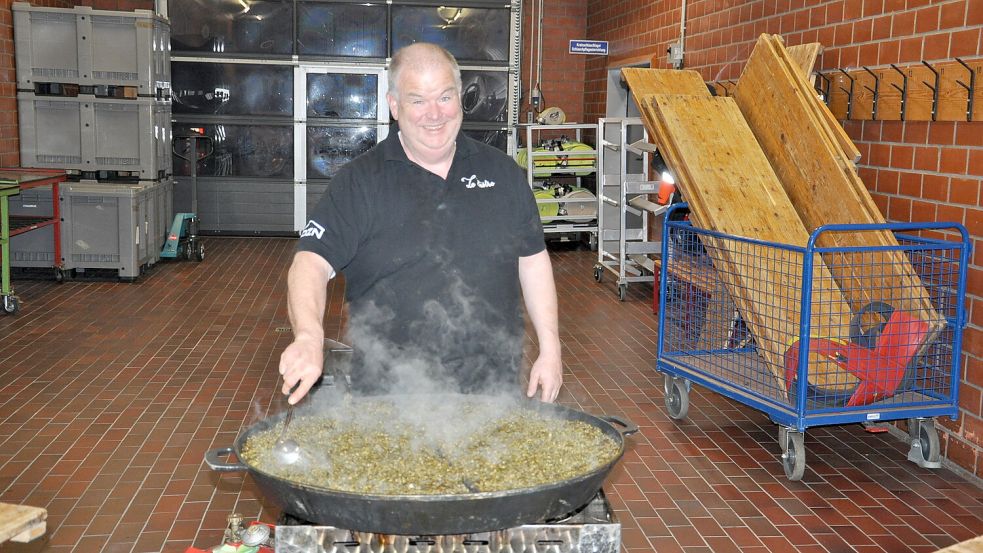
[(624, 210), (560, 223)]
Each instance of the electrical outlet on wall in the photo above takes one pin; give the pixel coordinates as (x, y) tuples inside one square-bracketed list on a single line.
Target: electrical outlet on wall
[(675, 51)]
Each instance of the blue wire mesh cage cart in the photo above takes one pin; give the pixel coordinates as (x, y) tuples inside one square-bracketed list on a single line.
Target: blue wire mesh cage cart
[(819, 334)]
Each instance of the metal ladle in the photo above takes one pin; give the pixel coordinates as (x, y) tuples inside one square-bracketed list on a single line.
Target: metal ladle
[(287, 450)]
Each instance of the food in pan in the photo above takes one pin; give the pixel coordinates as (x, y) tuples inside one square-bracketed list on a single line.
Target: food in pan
[(381, 448)]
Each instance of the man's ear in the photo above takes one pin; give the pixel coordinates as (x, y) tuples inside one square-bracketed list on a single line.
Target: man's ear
[(393, 105)]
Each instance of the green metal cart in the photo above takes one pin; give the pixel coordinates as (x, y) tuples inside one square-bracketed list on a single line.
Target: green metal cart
[(12, 181)]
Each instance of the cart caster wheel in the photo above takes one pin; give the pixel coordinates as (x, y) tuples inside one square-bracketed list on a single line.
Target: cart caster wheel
[(622, 291), (677, 397), (10, 305), (598, 274), (59, 276), (199, 251), (925, 451), (793, 454)]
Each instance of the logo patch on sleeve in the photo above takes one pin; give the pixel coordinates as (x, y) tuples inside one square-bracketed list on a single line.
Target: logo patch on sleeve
[(312, 229)]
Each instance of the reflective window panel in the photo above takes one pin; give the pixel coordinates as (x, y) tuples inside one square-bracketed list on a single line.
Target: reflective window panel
[(471, 34), (496, 138), (239, 150), (343, 95), (485, 95), (232, 88), (350, 30), (328, 148), (232, 26)]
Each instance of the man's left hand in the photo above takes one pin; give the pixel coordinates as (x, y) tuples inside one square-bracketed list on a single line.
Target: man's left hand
[(546, 375)]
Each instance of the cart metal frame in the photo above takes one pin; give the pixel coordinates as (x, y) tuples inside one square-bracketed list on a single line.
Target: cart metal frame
[(703, 339), (12, 181), (623, 207)]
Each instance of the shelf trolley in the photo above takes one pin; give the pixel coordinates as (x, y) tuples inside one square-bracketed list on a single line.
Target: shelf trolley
[(782, 345)]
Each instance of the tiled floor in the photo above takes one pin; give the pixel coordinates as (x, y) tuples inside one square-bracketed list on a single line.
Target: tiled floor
[(111, 393)]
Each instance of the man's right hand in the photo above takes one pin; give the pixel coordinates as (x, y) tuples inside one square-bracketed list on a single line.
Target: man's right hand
[(302, 362)]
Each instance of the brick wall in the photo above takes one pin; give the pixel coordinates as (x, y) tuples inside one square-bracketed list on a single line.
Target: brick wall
[(562, 76), (9, 143), (916, 171)]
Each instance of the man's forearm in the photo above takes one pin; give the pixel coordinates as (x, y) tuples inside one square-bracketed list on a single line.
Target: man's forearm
[(539, 293), (307, 283)]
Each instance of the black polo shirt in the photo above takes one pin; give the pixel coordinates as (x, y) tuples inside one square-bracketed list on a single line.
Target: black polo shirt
[(430, 265)]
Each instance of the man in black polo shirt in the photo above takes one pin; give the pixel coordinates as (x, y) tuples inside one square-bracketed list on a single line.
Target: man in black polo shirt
[(438, 236)]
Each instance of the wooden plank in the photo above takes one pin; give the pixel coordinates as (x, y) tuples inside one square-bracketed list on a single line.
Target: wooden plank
[(831, 126), (733, 189), (919, 105), (644, 81), (863, 96), (972, 545), (953, 96), (21, 523), (823, 189), (889, 96), (805, 56), (839, 96)]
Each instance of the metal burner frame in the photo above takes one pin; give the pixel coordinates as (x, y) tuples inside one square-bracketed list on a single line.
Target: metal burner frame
[(592, 529)]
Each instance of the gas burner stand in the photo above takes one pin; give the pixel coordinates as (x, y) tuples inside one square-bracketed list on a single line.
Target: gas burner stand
[(592, 529)]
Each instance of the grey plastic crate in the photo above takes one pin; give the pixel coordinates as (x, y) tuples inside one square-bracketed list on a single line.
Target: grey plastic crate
[(95, 134), (91, 47), (34, 249), (50, 132), (109, 227)]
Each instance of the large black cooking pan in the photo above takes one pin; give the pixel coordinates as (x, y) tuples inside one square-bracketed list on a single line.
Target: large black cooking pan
[(432, 514)]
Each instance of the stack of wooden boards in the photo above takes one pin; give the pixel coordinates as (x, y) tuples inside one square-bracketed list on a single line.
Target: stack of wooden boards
[(771, 163), (21, 523)]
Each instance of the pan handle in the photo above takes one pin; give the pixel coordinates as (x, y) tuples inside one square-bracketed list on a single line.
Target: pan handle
[(628, 427), (214, 461)]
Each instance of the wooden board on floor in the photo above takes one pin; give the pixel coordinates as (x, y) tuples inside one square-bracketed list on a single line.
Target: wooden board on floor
[(824, 190), (21, 523), (972, 545), (733, 189)]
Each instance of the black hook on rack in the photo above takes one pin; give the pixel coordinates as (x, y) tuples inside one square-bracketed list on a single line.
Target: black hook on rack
[(935, 89), (876, 91), (849, 98), (903, 89), (823, 90), (970, 89)]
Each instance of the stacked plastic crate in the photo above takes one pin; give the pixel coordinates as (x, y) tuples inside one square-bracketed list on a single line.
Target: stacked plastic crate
[(94, 98)]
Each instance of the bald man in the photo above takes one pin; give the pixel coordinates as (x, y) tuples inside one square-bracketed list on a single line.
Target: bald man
[(439, 238)]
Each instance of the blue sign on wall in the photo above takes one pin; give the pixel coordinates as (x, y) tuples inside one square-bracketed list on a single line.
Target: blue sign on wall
[(594, 47)]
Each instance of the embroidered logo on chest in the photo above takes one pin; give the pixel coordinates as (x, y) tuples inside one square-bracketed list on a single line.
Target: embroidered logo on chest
[(473, 181)]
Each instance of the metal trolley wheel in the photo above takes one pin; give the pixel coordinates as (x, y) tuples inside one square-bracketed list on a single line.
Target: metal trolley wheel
[(677, 397), (622, 291), (598, 273), (10, 305), (793, 453), (925, 451)]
